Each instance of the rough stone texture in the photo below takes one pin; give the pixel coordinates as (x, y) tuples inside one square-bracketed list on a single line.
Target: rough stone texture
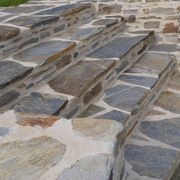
[(77, 79), (29, 159), (33, 21), (45, 52), (93, 167), (11, 72), (127, 98), (37, 103), (8, 32), (117, 48), (150, 161), (105, 22)]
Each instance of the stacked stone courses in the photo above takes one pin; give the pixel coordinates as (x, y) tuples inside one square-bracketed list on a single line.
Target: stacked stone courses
[(90, 90)]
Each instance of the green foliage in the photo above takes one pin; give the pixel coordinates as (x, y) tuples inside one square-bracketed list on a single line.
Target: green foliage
[(6, 3)]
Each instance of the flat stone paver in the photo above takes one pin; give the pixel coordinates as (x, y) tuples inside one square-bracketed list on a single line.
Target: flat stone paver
[(45, 52), (11, 72), (77, 79), (8, 32)]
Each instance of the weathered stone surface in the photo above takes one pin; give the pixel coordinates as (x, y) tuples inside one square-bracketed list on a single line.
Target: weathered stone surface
[(153, 63), (124, 97), (151, 24), (164, 47), (8, 32), (37, 103), (170, 28), (4, 131), (117, 48), (45, 52), (151, 161), (163, 10), (64, 10), (77, 79), (33, 21), (166, 131), (8, 97), (11, 72), (92, 109), (155, 113), (105, 22), (29, 159), (24, 9), (109, 8), (44, 122), (93, 167), (96, 128), (114, 115), (175, 81), (139, 80), (169, 101)]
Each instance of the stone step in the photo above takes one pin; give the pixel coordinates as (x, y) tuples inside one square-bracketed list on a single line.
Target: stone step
[(85, 81), (153, 149), (134, 93), (24, 30), (49, 58)]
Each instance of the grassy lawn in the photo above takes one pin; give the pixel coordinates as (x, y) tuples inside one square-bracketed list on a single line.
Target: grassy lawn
[(6, 3)]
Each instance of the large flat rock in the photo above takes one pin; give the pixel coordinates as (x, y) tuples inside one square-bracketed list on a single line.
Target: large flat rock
[(78, 78), (11, 72), (33, 21), (37, 103), (117, 48), (8, 32), (45, 52)]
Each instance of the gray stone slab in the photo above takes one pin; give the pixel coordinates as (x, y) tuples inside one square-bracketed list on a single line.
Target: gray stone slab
[(45, 52), (37, 103), (105, 22), (151, 161), (117, 48), (166, 131), (33, 21), (126, 98), (164, 48), (114, 115), (139, 80), (152, 63), (11, 72), (68, 9)]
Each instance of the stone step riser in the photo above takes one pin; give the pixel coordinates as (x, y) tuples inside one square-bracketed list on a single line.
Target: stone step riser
[(29, 37), (41, 75)]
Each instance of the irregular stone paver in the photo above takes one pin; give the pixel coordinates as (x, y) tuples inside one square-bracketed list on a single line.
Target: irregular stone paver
[(33, 21), (169, 101), (11, 72), (24, 9), (166, 131), (8, 97), (92, 167), (96, 129), (127, 98), (29, 159), (64, 10), (93, 109), (153, 63), (151, 161), (77, 79), (114, 115), (37, 103), (45, 52), (139, 80), (105, 22), (117, 48), (8, 32)]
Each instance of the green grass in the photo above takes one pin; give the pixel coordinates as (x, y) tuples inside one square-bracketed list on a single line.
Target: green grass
[(6, 3)]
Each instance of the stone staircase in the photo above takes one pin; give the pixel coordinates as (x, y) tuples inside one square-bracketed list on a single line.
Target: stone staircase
[(81, 98)]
